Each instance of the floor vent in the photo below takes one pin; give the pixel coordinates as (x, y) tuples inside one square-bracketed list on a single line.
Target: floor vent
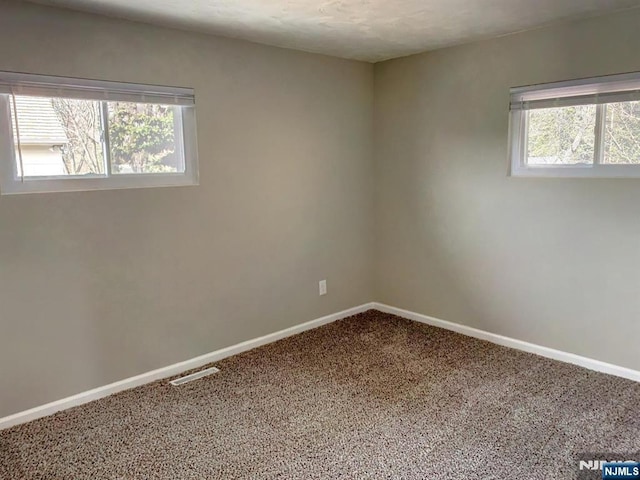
[(194, 376)]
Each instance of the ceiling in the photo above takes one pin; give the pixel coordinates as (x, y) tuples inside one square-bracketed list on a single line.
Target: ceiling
[(370, 30)]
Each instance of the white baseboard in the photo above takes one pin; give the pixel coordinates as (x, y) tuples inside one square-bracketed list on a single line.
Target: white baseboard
[(585, 362), (171, 370), (175, 369)]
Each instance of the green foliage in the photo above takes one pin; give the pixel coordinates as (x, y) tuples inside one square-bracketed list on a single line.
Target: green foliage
[(142, 137), (562, 135), (567, 135)]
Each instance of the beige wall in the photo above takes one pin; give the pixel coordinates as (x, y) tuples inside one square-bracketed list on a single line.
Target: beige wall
[(551, 261), (99, 286)]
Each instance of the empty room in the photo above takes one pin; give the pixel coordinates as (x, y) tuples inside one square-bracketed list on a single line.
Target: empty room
[(346, 239)]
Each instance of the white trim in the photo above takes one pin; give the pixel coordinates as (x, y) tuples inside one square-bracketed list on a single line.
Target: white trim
[(178, 368), (171, 370), (600, 134), (547, 352), (574, 171)]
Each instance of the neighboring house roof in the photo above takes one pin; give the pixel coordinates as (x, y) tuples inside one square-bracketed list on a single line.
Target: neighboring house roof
[(38, 122)]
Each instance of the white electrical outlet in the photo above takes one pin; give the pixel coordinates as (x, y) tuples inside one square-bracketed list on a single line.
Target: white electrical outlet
[(322, 287)]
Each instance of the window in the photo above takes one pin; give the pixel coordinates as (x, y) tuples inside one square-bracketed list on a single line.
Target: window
[(581, 128), (62, 134)]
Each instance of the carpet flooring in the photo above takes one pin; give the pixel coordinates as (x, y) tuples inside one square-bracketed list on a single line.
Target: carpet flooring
[(373, 396)]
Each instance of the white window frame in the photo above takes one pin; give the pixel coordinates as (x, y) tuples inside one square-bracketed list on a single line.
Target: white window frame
[(589, 91), (11, 182)]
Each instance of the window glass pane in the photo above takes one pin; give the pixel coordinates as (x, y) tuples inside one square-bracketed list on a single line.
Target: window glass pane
[(561, 136), (58, 137), (142, 138), (622, 133)]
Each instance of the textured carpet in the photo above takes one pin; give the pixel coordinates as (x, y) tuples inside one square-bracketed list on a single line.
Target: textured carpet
[(373, 396)]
